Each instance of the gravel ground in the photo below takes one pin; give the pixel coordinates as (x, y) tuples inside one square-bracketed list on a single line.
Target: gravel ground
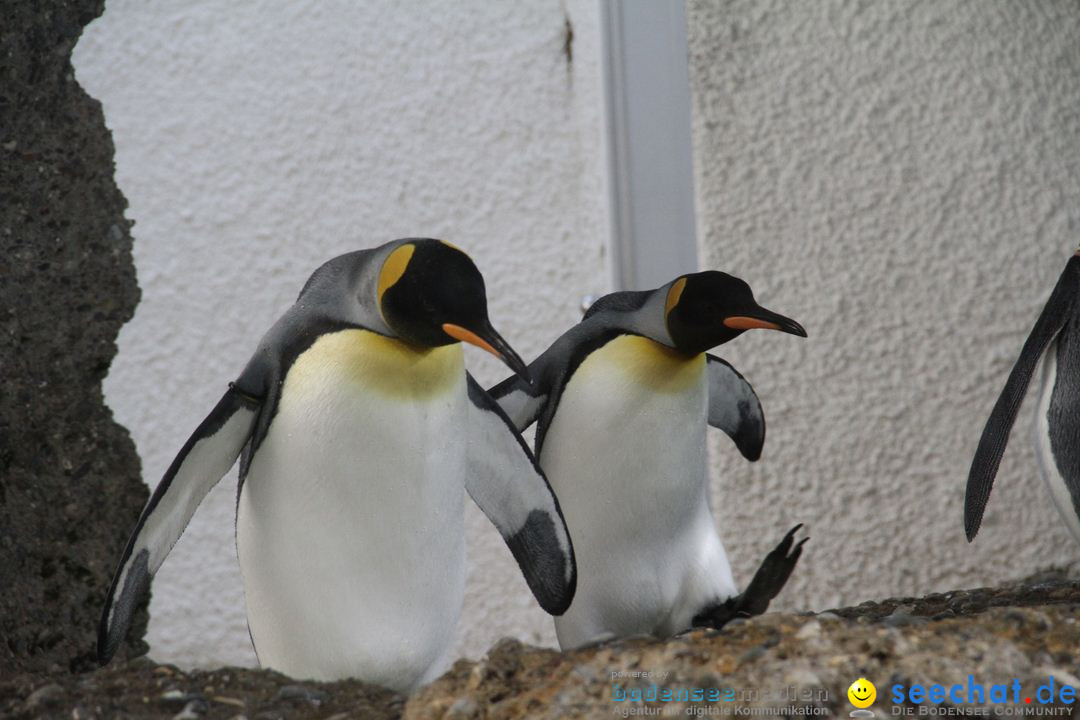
[(1027, 632)]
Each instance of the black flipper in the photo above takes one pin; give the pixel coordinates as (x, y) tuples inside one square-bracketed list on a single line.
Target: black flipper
[(995, 435), (519, 401), (205, 458), (769, 579), (505, 481), (734, 408)]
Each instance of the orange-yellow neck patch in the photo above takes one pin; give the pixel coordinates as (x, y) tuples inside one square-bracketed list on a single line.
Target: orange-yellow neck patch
[(360, 360), (647, 363)]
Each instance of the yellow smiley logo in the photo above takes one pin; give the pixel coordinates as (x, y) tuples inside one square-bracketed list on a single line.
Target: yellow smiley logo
[(862, 693)]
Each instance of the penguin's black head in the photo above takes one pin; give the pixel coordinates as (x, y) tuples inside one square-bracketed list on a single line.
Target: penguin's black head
[(430, 293), (710, 308)]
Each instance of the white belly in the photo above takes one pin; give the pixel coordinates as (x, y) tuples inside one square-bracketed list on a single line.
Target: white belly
[(625, 453), (1055, 483), (350, 524)]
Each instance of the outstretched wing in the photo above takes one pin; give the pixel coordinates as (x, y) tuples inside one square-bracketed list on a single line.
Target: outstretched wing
[(205, 458), (995, 435), (505, 480), (734, 408)]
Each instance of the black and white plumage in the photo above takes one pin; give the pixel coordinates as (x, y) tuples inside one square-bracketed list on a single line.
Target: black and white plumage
[(1055, 339), (359, 433), (621, 402)]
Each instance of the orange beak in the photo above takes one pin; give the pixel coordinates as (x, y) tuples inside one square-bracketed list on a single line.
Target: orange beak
[(459, 333), (493, 344), (748, 323), (765, 320)]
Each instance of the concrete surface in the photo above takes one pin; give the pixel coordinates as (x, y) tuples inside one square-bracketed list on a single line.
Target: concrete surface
[(902, 178), (256, 141)]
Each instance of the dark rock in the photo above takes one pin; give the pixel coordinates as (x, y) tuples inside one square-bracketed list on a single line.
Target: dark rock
[(1049, 590), (69, 477)]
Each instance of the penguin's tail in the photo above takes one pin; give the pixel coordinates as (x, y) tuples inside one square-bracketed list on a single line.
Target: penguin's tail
[(768, 581)]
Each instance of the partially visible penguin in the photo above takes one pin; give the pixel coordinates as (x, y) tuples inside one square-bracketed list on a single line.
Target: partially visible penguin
[(622, 401), (1056, 339), (361, 431)]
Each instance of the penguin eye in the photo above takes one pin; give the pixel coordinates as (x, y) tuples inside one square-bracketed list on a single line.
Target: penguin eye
[(704, 312)]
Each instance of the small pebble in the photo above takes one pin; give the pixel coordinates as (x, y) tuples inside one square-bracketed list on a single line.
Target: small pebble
[(753, 654), (45, 696), (194, 710), (81, 712), (300, 692), (174, 695), (229, 701), (809, 631), (464, 708), (586, 673), (902, 617)]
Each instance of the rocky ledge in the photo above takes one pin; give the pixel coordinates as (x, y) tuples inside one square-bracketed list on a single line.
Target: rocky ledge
[(782, 664)]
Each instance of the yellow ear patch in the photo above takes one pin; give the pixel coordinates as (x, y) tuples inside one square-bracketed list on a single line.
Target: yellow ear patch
[(394, 267), (673, 295)]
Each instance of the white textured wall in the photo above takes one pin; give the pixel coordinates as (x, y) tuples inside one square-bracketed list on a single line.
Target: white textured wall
[(904, 178), (256, 140)]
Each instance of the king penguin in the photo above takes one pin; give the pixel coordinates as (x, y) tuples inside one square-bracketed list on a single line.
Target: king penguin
[(621, 402), (360, 432), (1055, 339)]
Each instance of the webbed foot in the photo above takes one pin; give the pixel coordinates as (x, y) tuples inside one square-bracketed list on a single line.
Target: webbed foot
[(769, 580)]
